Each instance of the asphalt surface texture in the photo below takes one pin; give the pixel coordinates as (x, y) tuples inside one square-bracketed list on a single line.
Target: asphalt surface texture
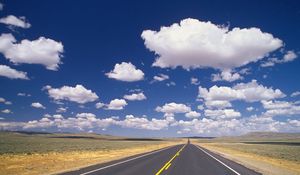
[(186, 159)]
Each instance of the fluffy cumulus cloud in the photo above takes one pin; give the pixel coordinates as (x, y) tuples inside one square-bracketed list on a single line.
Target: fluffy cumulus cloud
[(222, 113), (288, 57), (143, 123), (135, 97), (250, 92), (205, 126), (87, 121), (81, 122), (196, 44), (11, 73), (14, 21), (211, 127), (160, 77), (78, 94), (126, 72), (220, 104), (226, 75), (192, 114), (280, 108), (116, 104), (173, 108), (99, 105), (38, 105), (42, 51)]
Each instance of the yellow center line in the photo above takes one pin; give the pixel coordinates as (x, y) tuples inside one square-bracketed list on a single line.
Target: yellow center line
[(168, 164)]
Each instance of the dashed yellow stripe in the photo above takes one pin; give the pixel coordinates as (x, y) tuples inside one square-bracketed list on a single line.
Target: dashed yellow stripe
[(168, 164)]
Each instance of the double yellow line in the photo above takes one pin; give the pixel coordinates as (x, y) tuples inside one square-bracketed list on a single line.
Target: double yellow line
[(168, 164)]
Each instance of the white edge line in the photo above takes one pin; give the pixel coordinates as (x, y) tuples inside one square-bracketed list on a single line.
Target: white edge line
[(118, 163), (218, 160)]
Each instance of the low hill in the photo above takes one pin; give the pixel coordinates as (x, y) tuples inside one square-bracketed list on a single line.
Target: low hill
[(264, 136)]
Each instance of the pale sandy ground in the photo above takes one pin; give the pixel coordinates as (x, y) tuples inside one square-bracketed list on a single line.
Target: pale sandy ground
[(262, 164), (52, 163)]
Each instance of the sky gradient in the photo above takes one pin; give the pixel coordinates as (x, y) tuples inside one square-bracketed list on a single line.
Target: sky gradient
[(150, 68)]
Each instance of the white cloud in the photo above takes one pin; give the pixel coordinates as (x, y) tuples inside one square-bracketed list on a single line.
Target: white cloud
[(8, 103), (160, 77), (226, 75), (82, 121), (41, 51), (1, 6), (85, 115), (143, 123), (117, 104), (294, 94), (192, 114), (205, 126), (277, 108), (210, 127), (172, 83), (2, 100), (77, 94), (222, 113), (38, 105), (200, 107), (126, 72), (12, 20), (220, 104), (275, 104), (133, 97), (197, 44), (61, 110), (11, 73), (245, 71), (288, 57), (173, 108), (6, 111), (249, 92), (22, 94), (195, 81), (99, 105), (86, 122), (250, 108)]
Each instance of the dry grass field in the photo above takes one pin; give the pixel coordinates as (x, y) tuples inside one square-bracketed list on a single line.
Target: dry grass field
[(268, 153), (31, 153)]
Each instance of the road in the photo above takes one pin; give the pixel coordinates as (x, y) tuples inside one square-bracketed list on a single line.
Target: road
[(186, 159)]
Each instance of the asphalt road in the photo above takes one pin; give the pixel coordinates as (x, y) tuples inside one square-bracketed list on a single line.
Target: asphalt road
[(186, 159)]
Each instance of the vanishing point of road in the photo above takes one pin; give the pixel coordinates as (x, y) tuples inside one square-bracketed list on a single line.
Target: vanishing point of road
[(185, 159)]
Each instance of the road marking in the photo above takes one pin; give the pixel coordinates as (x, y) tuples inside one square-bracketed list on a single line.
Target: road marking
[(218, 160), (118, 163), (168, 164)]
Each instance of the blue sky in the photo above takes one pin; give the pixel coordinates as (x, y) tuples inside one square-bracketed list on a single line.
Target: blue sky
[(205, 68)]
